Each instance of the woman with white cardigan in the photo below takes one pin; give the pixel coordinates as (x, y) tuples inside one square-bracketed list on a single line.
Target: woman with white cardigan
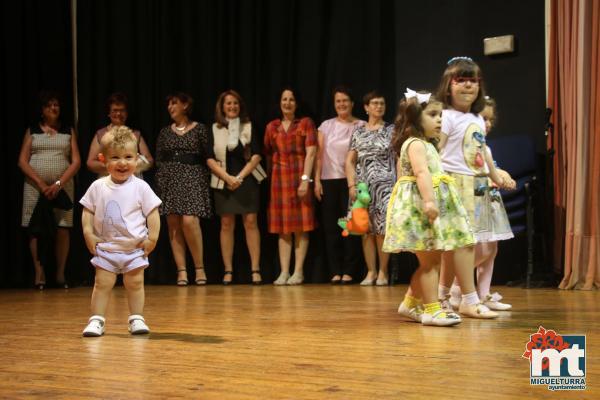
[(236, 174)]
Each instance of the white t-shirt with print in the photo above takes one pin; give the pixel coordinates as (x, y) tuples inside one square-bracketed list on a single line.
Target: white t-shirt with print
[(459, 153), (120, 212)]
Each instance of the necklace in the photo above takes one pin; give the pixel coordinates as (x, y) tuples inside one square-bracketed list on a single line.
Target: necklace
[(48, 130), (374, 127), (181, 129)]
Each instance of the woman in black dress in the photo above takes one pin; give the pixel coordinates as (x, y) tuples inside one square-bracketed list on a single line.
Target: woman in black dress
[(236, 173), (182, 180)]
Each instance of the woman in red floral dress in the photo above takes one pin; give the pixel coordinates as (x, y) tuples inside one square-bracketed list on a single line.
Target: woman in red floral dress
[(290, 146)]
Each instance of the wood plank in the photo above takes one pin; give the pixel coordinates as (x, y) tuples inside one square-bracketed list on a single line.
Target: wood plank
[(266, 342)]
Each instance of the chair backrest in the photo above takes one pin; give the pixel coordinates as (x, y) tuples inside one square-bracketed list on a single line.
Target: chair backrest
[(516, 155)]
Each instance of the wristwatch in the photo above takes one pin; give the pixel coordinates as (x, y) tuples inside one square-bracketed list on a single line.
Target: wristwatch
[(305, 178), (58, 183)]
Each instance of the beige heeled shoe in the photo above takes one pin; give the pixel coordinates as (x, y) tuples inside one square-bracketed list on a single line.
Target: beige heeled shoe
[(295, 279), (282, 279)]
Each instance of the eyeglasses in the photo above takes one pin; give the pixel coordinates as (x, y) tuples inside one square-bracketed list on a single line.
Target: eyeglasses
[(376, 103), (461, 80)]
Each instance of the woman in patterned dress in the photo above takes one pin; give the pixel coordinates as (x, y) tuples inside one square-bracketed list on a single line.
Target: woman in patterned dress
[(49, 158), (182, 180), (291, 145), (371, 160)]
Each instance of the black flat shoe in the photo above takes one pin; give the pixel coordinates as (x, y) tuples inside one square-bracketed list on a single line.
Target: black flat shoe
[(224, 275), (39, 285), (347, 282)]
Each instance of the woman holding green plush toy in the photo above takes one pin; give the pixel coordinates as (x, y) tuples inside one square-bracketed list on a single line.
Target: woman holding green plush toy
[(371, 160)]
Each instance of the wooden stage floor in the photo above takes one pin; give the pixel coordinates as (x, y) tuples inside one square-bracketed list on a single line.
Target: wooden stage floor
[(266, 342)]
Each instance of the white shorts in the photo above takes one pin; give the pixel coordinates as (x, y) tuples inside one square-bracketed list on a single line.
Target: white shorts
[(120, 263)]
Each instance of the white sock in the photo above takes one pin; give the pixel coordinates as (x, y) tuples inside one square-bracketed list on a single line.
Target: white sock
[(455, 290), (484, 278), (443, 291), (470, 298)]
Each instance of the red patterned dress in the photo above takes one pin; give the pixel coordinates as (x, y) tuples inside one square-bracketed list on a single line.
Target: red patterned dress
[(287, 151)]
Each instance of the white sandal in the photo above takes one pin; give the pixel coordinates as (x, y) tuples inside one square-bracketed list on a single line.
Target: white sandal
[(95, 326), (436, 319), (137, 325), (492, 301), (414, 313)]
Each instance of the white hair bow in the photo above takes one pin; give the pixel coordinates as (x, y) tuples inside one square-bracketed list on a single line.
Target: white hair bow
[(421, 97)]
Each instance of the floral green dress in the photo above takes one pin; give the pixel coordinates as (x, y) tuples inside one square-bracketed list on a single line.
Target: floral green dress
[(407, 227)]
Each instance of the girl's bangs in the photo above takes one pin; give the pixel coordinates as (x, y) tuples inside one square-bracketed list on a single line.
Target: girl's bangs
[(466, 71)]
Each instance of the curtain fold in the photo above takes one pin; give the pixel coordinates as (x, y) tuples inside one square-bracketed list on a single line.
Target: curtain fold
[(35, 48), (574, 95)]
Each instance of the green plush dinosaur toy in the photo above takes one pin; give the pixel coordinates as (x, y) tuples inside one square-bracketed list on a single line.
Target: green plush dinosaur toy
[(358, 222)]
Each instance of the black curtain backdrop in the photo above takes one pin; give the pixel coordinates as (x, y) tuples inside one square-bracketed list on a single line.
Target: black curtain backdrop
[(149, 48), (35, 47)]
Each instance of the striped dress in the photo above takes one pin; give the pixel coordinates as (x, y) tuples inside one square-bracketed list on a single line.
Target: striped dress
[(287, 151), (375, 167)]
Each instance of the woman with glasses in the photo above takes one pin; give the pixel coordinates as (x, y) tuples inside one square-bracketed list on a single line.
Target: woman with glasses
[(371, 160), (116, 106), (464, 156)]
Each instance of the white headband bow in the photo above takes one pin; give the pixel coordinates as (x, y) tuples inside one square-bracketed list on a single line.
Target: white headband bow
[(421, 97)]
